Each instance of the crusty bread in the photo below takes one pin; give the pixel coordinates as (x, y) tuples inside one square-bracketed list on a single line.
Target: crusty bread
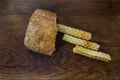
[(41, 32), (81, 42), (92, 54), (74, 32)]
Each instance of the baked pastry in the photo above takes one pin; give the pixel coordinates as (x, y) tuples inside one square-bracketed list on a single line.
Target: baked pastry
[(74, 32), (41, 32), (81, 42), (92, 54)]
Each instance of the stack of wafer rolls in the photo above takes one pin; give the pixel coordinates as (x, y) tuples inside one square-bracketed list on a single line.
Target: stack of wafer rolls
[(83, 46)]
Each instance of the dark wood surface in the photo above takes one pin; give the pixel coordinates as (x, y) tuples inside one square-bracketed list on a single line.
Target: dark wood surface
[(100, 17)]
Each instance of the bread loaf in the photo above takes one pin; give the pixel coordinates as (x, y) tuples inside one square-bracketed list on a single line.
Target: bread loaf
[(41, 32)]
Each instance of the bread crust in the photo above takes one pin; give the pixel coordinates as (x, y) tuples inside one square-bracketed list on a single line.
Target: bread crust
[(41, 32)]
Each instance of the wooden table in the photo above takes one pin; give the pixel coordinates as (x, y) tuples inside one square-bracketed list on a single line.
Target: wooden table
[(100, 17)]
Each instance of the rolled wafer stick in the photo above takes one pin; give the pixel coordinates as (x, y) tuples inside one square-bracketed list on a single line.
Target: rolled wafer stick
[(74, 32), (81, 42), (92, 54)]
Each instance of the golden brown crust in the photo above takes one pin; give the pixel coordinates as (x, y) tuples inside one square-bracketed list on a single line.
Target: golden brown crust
[(41, 32)]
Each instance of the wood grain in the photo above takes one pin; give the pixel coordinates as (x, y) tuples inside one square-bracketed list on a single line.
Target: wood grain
[(100, 17)]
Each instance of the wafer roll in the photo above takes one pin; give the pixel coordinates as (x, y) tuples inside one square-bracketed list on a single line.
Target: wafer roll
[(81, 42), (74, 32), (92, 54)]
